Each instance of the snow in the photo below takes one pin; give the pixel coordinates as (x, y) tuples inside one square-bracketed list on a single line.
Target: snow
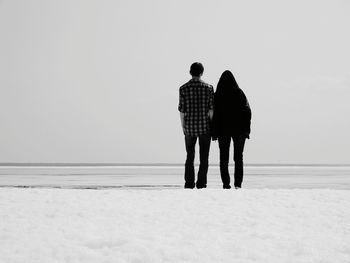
[(176, 225)]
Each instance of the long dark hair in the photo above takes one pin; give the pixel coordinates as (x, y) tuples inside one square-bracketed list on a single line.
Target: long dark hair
[(227, 83)]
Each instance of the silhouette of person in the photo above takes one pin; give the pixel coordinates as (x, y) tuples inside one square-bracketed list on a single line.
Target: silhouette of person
[(196, 103), (231, 120)]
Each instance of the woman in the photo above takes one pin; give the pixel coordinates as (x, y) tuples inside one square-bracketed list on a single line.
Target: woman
[(231, 120)]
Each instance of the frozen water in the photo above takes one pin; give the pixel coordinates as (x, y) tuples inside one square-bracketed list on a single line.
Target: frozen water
[(150, 177)]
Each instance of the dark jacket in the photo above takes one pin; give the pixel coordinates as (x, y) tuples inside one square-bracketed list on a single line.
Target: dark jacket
[(232, 114)]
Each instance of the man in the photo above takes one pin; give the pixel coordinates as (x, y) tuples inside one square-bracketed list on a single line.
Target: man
[(196, 100)]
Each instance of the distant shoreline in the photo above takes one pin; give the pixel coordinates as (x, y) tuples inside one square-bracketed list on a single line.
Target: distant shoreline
[(160, 165)]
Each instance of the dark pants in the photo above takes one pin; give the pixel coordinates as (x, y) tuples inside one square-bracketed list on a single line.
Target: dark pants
[(238, 147), (204, 146)]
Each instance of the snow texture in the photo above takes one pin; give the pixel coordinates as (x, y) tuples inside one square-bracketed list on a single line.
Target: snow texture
[(210, 225)]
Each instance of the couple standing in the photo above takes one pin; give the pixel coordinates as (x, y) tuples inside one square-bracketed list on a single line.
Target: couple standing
[(222, 116)]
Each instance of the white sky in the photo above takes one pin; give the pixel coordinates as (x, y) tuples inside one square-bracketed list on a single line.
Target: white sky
[(97, 81)]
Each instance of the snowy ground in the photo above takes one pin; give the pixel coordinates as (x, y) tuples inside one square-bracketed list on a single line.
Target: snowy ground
[(210, 225)]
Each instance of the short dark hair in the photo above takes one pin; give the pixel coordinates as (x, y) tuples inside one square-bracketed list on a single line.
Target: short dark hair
[(196, 69)]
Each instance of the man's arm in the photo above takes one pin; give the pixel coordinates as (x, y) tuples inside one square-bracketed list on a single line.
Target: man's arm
[(211, 114), (211, 103), (182, 118), (182, 109)]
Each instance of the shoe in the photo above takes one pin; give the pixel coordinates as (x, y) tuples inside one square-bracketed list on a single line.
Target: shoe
[(238, 187), (189, 186), (201, 186), (227, 186)]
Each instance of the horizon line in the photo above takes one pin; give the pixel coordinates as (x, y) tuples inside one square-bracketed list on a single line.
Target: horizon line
[(62, 164)]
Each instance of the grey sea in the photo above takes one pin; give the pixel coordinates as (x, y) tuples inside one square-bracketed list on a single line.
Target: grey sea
[(170, 176)]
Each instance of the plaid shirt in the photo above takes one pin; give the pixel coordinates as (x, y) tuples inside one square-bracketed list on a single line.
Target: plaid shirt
[(195, 100)]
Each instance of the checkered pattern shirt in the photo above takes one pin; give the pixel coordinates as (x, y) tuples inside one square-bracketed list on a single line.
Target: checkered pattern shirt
[(196, 98)]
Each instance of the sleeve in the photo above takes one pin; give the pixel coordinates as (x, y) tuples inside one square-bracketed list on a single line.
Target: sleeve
[(214, 124), (182, 106), (247, 116), (211, 99)]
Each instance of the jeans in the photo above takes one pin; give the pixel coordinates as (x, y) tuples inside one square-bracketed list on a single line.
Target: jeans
[(204, 146), (238, 147)]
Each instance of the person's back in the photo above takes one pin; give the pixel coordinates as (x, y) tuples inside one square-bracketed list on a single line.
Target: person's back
[(232, 113), (195, 103), (196, 110)]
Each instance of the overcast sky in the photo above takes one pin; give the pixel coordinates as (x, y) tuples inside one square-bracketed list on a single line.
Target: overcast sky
[(97, 81)]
